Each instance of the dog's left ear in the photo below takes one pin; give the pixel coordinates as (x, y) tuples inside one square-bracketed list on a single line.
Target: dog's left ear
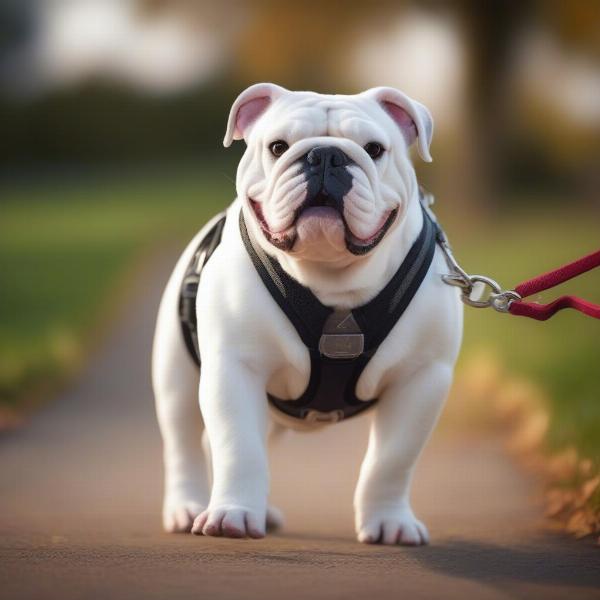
[(413, 118), (248, 106)]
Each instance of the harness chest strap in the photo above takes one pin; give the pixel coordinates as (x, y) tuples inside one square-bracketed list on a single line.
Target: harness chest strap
[(340, 343)]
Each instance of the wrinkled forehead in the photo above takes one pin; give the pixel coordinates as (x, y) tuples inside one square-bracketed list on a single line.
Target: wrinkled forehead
[(302, 115)]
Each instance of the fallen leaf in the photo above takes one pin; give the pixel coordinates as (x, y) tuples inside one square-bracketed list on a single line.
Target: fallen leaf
[(589, 487)]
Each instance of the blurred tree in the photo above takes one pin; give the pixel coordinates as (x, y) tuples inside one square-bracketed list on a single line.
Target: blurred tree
[(297, 44), (576, 23), (490, 32), (16, 24), (494, 32)]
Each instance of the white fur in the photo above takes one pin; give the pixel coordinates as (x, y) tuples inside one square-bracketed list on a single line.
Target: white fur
[(249, 347)]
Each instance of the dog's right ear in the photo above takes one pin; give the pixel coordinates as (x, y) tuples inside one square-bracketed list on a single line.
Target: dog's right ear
[(413, 118), (248, 106)]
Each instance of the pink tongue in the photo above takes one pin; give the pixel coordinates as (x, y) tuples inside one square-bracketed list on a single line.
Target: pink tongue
[(320, 222)]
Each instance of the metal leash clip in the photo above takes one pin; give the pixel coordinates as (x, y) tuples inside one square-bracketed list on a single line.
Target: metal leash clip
[(499, 299)]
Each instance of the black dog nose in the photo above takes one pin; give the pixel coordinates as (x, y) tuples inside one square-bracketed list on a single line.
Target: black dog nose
[(328, 156)]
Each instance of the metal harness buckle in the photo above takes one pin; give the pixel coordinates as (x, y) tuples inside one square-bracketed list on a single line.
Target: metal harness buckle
[(341, 337), (316, 416)]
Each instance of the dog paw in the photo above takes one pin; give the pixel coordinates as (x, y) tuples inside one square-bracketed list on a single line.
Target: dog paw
[(230, 521), (393, 527), (178, 517)]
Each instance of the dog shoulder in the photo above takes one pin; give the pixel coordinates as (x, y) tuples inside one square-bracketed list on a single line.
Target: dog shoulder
[(229, 285), (429, 331), (431, 327), (236, 311)]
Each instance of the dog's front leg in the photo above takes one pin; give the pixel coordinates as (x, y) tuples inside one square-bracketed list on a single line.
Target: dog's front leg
[(234, 406), (403, 420)]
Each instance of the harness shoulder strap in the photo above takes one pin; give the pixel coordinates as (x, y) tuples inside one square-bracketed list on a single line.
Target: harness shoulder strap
[(302, 307), (378, 317), (189, 286)]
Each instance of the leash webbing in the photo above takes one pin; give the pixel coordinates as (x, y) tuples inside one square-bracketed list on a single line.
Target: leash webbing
[(551, 279)]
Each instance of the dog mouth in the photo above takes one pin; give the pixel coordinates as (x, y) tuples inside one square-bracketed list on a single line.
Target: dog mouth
[(285, 239)]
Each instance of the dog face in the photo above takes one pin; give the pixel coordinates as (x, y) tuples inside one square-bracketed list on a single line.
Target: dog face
[(326, 176)]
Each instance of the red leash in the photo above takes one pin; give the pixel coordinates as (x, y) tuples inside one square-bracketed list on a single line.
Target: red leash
[(548, 280)]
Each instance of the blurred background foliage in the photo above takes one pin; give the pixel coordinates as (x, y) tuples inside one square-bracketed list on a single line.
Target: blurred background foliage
[(112, 114)]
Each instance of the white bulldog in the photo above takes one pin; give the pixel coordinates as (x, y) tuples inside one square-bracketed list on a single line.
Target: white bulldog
[(327, 188)]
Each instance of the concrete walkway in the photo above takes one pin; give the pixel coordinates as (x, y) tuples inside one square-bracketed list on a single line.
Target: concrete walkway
[(80, 505)]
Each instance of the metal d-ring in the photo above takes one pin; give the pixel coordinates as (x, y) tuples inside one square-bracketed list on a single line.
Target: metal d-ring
[(493, 285)]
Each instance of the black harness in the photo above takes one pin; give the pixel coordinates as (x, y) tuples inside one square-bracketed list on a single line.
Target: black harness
[(340, 342)]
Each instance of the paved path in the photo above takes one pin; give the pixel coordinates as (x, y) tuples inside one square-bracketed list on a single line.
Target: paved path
[(80, 502)]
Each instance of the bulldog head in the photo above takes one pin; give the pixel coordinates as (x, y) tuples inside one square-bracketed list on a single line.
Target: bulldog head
[(325, 176)]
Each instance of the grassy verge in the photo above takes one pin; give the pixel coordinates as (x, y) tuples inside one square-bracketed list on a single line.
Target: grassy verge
[(63, 249), (560, 354), (547, 375)]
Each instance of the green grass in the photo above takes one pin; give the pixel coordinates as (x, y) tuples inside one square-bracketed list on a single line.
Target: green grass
[(64, 248), (562, 354)]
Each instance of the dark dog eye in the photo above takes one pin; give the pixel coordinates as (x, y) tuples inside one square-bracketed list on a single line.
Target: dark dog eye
[(278, 148), (374, 150)]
